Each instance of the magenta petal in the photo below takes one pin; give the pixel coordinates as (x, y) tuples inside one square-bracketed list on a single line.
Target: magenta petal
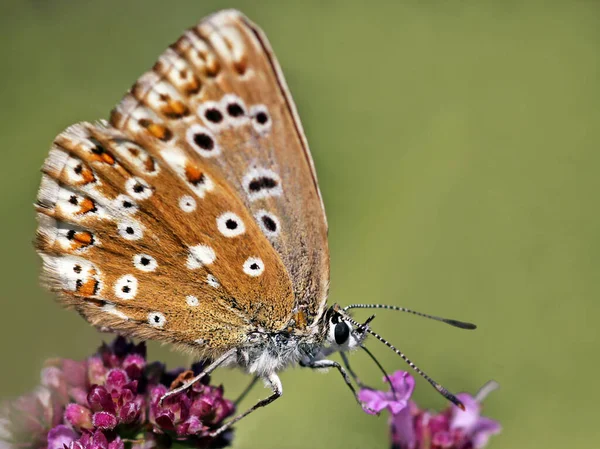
[(97, 441), (373, 400), (61, 436), (442, 440), (104, 420), (483, 430), (465, 420), (403, 431), (130, 412), (117, 443), (100, 400), (116, 379), (78, 416)]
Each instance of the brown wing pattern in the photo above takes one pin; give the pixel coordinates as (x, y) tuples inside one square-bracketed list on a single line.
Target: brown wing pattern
[(220, 84), (194, 217)]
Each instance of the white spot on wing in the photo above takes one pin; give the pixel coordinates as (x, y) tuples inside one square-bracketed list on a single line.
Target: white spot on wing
[(200, 255), (112, 309), (126, 287), (212, 281), (187, 204), (192, 301)]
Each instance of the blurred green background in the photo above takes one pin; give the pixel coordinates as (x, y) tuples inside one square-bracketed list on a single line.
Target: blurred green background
[(457, 147)]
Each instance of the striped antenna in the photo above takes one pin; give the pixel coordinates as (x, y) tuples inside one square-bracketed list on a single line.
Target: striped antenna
[(455, 323), (443, 391)]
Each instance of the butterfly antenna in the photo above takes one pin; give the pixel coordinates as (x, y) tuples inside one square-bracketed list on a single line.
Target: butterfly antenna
[(440, 389), (455, 323)]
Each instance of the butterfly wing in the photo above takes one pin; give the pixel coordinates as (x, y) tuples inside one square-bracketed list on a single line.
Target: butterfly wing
[(172, 224), (219, 92)]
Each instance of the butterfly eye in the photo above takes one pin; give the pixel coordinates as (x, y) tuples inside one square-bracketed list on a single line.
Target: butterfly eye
[(341, 333)]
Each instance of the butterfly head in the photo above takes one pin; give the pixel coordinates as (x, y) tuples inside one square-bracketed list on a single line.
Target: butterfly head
[(341, 333)]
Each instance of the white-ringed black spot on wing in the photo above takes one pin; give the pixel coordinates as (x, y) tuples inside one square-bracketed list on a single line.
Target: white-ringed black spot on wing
[(130, 230), (156, 319), (144, 262), (192, 301), (126, 287), (261, 183), (230, 224), (254, 266), (125, 204), (235, 109), (268, 223), (187, 203), (202, 141), (212, 115), (138, 188), (261, 120)]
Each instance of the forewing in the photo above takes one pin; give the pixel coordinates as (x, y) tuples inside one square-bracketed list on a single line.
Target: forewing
[(134, 243), (218, 96)]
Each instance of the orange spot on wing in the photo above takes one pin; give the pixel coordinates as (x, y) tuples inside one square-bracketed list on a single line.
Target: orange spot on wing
[(88, 175), (88, 288), (175, 109), (86, 205), (193, 174)]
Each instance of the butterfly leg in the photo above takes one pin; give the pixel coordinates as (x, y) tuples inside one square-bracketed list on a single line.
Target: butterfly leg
[(275, 384), (209, 369)]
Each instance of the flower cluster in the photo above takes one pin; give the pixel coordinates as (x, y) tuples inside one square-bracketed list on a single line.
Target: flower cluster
[(113, 398), (412, 427)]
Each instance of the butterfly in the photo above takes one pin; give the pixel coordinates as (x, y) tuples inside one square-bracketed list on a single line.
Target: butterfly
[(193, 216)]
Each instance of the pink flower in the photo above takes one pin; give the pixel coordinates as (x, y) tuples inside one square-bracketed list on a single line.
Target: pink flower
[(395, 400), (113, 394), (453, 428)]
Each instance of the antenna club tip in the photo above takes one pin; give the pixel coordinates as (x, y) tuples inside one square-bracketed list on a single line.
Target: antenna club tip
[(461, 406)]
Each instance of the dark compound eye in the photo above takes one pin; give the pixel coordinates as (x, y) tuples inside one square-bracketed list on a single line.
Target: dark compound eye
[(235, 110), (204, 141), (213, 115), (341, 333)]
